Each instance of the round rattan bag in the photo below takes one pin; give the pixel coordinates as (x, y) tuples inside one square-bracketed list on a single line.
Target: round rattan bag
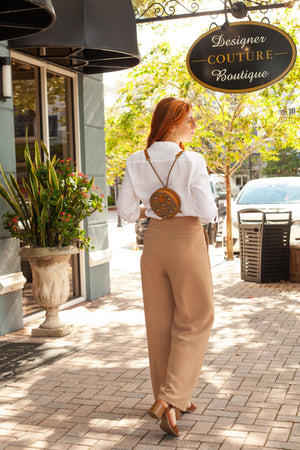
[(165, 203)]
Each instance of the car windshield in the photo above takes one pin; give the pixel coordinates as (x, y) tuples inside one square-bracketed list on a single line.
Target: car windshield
[(256, 194)]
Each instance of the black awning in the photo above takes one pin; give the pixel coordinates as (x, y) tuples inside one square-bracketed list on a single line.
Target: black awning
[(23, 17), (90, 36)]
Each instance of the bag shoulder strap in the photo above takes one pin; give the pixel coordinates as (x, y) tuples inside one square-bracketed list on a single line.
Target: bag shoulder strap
[(149, 161)]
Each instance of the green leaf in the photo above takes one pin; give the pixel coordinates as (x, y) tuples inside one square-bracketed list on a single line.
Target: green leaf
[(52, 177), (29, 164), (59, 206), (9, 195), (4, 194), (44, 148), (37, 154), (44, 219), (19, 197)]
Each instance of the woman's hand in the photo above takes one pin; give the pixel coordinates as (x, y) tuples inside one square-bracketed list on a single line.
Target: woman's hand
[(142, 212)]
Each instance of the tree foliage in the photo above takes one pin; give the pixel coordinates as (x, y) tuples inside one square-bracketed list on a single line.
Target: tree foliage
[(286, 163)]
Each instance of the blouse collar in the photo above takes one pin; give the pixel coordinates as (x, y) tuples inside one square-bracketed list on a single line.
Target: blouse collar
[(165, 145)]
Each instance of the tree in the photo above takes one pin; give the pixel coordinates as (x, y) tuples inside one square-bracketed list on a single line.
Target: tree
[(286, 163), (230, 126)]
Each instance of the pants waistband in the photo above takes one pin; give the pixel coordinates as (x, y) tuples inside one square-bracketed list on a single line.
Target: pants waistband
[(175, 223)]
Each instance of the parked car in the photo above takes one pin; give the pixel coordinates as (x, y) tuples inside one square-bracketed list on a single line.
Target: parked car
[(267, 194), (218, 187)]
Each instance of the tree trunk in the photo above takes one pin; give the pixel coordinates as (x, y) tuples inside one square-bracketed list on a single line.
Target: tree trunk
[(229, 242)]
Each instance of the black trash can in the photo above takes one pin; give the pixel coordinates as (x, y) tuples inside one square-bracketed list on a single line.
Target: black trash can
[(264, 245)]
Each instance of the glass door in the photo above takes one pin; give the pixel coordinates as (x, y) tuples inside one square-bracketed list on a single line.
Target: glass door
[(43, 105), (61, 141)]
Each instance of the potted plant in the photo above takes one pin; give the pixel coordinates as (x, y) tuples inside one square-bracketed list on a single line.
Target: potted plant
[(45, 213)]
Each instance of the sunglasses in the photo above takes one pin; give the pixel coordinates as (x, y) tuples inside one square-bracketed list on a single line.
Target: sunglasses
[(192, 121)]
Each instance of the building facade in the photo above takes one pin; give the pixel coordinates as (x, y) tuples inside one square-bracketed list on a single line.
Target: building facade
[(71, 123), (54, 102)]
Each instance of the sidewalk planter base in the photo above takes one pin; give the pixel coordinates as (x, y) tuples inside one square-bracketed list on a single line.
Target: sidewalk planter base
[(43, 331), (50, 285)]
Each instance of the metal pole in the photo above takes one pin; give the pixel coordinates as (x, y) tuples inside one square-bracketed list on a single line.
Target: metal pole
[(259, 7), (117, 196)]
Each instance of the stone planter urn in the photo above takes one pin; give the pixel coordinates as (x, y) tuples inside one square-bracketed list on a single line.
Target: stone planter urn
[(50, 285)]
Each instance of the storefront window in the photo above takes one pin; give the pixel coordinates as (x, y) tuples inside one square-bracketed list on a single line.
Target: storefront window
[(27, 115), (31, 98), (60, 115)]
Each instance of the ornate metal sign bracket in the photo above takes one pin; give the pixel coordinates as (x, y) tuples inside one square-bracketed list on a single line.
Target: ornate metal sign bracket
[(168, 10)]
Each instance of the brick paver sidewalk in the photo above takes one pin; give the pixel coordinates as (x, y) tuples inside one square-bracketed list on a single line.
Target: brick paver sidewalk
[(247, 397)]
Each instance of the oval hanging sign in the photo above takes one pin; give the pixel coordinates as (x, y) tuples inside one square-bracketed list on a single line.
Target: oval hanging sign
[(245, 57)]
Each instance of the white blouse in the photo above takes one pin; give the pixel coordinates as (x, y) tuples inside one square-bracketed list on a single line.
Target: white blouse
[(189, 179)]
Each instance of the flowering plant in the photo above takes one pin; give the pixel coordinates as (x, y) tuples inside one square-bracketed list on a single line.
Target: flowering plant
[(54, 198)]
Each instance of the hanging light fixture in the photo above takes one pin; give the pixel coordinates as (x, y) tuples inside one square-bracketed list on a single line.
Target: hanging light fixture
[(89, 36), (23, 17), (5, 64)]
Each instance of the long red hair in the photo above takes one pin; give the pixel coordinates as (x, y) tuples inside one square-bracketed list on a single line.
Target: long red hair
[(168, 112)]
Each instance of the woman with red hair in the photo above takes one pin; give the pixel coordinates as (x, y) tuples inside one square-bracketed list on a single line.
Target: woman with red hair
[(175, 266)]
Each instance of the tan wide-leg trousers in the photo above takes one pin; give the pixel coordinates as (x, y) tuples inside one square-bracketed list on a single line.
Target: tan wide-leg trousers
[(178, 304)]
